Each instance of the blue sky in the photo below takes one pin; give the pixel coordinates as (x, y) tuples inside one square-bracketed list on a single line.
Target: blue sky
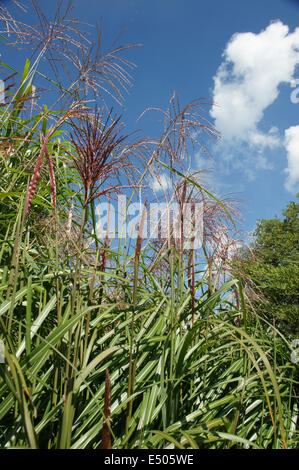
[(245, 57)]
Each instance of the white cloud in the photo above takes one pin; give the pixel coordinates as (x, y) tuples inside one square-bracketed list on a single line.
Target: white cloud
[(292, 147), (247, 82), (202, 163), (262, 141), (161, 182)]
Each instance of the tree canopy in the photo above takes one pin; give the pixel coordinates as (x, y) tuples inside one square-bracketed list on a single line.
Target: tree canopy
[(271, 263)]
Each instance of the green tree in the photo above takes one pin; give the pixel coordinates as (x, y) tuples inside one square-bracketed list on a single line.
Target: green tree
[(271, 263)]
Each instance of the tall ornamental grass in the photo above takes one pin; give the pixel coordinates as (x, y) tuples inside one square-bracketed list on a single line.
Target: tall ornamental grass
[(120, 343)]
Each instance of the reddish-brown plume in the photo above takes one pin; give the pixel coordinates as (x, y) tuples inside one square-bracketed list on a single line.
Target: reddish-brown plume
[(70, 218), (36, 174), (99, 150), (52, 178)]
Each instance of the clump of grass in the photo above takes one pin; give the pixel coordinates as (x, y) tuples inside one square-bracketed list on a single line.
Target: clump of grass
[(189, 366)]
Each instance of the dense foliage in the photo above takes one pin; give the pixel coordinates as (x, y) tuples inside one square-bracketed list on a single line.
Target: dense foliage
[(272, 263)]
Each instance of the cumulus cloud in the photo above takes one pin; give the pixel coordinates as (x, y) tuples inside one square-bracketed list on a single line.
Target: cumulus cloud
[(161, 183), (292, 147), (247, 82), (262, 141)]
